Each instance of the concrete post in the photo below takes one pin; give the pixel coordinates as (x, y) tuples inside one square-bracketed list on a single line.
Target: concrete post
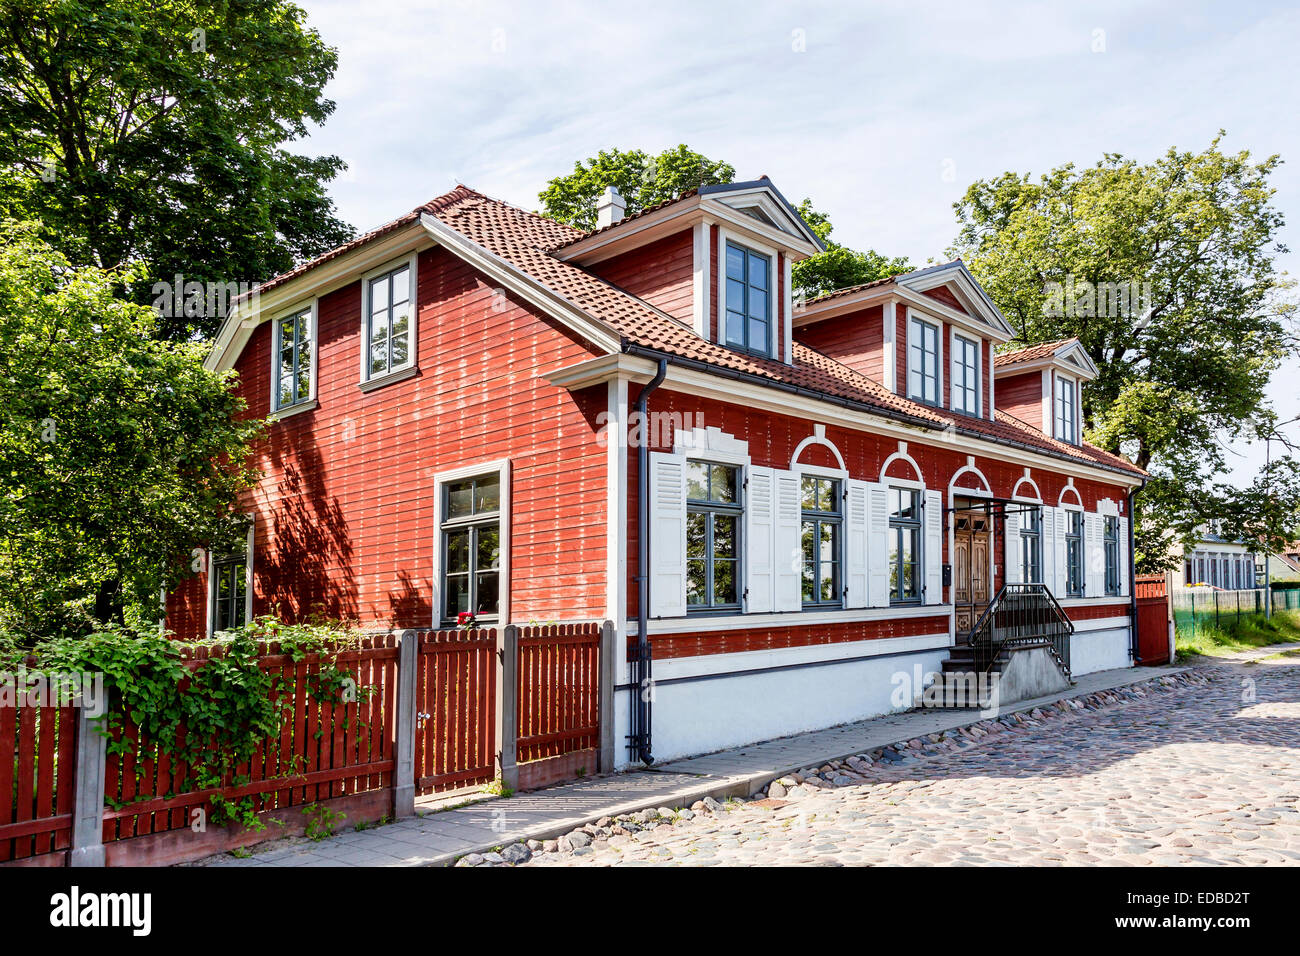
[(88, 791), (408, 649), (608, 676), (507, 728)]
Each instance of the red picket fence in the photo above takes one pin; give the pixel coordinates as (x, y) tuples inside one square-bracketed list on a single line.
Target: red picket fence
[(323, 750), (559, 690), (36, 781), (456, 690)]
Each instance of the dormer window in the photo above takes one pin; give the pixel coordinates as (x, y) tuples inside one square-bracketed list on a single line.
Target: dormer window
[(923, 361), (749, 300), (965, 376), (1067, 423)]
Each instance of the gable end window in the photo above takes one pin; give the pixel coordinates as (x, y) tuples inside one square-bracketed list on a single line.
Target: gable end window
[(471, 548), (823, 516), (1067, 425), (923, 361), (965, 376), (230, 592), (748, 322), (713, 515), (387, 345), (293, 367)]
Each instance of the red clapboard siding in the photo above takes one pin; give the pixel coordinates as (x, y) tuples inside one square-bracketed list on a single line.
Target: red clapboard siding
[(344, 512), (1022, 396), (661, 272), (1096, 612)]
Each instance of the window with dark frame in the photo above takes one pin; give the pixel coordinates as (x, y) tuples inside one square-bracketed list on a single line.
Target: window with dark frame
[(230, 597), (1067, 428), (388, 324), (823, 517), (1031, 544), (1074, 553), (965, 376), (471, 548), (713, 512), (293, 368), (1110, 536), (904, 546), (748, 322), (923, 362)]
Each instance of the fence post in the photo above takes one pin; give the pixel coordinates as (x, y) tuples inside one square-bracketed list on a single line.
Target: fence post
[(88, 791), (408, 648), (507, 705), (608, 674)]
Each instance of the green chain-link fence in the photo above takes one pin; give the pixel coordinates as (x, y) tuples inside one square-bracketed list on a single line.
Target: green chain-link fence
[(1196, 608)]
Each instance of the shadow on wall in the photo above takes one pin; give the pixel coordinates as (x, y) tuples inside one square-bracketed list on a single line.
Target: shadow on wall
[(308, 571), (410, 605)]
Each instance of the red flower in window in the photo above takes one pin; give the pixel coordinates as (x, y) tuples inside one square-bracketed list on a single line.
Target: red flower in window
[(465, 619)]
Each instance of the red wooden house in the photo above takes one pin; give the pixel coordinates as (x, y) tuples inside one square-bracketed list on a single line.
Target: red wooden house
[(783, 506)]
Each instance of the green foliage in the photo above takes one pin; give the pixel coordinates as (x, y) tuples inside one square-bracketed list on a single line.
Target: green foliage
[(322, 822), (839, 266), (119, 453), (1267, 510), (1197, 232), (227, 705), (1233, 636), (640, 178), (155, 132), (498, 788)]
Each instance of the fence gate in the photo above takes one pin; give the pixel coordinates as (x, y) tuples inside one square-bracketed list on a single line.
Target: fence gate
[(1153, 620), (456, 693)]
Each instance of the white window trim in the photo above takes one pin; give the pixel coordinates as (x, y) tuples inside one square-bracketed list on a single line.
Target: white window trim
[(367, 381), (502, 468), (978, 411), (1057, 378), (778, 312), (278, 412), (1018, 499), (209, 560), (938, 359)]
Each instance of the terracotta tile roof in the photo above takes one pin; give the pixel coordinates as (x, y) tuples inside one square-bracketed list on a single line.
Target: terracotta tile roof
[(524, 239), (851, 289), (1042, 350)]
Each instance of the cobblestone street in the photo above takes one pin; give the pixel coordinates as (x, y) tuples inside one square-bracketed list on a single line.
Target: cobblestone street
[(1203, 775)]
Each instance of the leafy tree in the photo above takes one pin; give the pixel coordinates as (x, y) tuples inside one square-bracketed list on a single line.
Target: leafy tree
[(1165, 273), (641, 179), (839, 266), (154, 131), (119, 453), (1268, 510)]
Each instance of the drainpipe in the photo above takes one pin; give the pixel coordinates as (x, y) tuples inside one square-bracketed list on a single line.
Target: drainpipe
[(640, 741), (1132, 577)]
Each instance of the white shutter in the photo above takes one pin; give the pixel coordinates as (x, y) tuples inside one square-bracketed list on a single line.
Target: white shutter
[(1121, 548), (1011, 532), (856, 544), (932, 550), (1060, 577), (787, 556), (877, 545), (1094, 554), (667, 536), (760, 543)]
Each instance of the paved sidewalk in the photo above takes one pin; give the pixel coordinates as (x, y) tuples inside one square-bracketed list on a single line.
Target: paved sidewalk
[(439, 838)]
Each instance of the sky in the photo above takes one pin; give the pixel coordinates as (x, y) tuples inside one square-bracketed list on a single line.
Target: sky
[(882, 113)]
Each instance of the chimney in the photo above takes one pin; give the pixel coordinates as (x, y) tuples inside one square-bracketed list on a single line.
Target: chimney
[(610, 208)]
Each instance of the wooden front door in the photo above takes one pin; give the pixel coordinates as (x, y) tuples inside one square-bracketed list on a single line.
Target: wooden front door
[(973, 545)]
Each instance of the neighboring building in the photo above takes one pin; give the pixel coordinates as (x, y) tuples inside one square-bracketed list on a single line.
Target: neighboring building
[(1218, 562), (836, 492), (1283, 567)]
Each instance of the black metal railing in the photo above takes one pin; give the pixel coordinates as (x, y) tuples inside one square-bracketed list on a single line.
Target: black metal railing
[(1021, 615)]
